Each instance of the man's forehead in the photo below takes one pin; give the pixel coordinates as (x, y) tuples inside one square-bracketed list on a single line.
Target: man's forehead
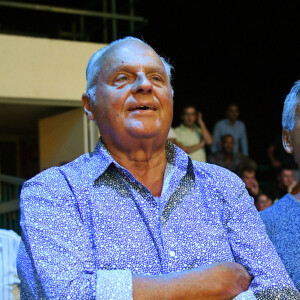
[(190, 108), (131, 52)]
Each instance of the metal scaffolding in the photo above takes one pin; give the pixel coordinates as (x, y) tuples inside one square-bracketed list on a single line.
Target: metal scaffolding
[(105, 15)]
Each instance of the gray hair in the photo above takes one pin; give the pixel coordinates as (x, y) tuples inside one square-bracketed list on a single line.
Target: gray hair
[(290, 106), (94, 65)]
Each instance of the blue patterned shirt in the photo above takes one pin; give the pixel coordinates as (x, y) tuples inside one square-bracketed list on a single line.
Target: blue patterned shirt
[(89, 225), (282, 220)]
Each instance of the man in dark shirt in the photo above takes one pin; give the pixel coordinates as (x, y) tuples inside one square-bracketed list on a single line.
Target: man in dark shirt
[(229, 159)]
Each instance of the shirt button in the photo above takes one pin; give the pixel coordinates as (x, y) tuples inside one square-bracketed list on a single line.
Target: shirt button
[(172, 253)]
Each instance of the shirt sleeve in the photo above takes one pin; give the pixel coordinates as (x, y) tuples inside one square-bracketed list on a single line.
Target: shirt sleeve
[(56, 258), (248, 295), (251, 246), (114, 285)]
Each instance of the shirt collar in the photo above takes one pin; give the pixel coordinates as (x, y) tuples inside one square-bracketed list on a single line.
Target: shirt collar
[(101, 159), (227, 122)]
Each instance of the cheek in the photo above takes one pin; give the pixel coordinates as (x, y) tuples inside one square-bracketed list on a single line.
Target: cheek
[(111, 105), (296, 151)]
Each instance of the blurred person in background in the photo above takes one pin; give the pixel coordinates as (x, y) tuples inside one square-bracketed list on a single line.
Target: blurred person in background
[(192, 134), (229, 159), (233, 126), (262, 201), (285, 182), (248, 175)]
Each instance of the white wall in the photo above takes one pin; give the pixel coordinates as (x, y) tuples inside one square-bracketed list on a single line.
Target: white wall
[(39, 68), (62, 138)]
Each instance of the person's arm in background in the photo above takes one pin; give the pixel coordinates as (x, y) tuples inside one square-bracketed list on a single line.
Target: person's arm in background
[(187, 149), (250, 244), (190, 149), (244, 140), (208, 139), (56, 258)]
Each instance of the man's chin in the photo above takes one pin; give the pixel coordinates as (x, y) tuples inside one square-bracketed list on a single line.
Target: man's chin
[(144, 134), (141, 129)]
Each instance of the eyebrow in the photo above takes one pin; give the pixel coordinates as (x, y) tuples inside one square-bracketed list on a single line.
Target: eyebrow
[(146, 69)]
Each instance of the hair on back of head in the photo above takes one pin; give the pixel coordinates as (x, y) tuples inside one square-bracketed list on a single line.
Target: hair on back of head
[(188, 105), (290, 107), (231, 104), (246, 168)]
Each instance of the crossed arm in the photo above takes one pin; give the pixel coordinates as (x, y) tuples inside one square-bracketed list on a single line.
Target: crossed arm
[(217, 281)]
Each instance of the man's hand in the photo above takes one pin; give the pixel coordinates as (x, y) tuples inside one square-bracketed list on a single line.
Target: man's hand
[(205, 132), (227, 279), (199, 118), (219, 281)]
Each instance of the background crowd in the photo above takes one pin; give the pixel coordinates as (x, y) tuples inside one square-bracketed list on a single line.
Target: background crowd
[(227, 146)]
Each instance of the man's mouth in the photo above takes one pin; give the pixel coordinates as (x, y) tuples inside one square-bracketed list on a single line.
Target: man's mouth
[(142, 107)]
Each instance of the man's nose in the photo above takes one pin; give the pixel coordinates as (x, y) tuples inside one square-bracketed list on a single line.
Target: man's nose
[(142, 84)]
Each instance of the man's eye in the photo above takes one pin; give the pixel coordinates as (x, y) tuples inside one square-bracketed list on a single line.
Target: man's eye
[(121, 78), (156, 78)]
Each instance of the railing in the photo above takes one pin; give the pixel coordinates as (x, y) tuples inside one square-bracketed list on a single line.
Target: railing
[(10, 188), (105, 15)]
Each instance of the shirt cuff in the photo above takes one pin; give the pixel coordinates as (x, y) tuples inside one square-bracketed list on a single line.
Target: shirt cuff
[(248, 295), (114, 285)]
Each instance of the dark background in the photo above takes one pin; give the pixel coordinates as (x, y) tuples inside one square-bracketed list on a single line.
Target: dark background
[(246, 52)]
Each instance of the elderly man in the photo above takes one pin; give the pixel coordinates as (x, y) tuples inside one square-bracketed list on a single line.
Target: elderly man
[(137, 218), (282, 219)]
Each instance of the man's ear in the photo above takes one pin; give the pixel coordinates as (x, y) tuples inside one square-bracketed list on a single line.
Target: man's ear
[(287, 141), (86, 101)]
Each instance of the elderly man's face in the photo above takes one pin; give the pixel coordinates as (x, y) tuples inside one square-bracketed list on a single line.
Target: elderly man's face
[(134, 95)]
